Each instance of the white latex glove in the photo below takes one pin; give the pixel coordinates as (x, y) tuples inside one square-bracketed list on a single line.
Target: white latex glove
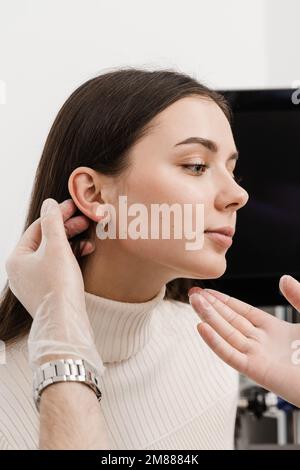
[(255, 343), (44, 275)]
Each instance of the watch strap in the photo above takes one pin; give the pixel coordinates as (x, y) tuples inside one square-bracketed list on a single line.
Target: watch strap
[(64, 370)]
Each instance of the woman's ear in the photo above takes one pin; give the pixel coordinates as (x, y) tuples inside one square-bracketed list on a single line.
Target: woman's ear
[(85, 189)]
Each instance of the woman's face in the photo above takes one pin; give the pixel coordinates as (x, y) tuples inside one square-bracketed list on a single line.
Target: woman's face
[(163, 172)]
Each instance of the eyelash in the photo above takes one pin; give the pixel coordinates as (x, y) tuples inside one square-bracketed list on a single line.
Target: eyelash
[(238, 179)]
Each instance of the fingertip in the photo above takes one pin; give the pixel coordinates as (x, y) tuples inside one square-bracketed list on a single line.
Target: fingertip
[(49, 205), (67, 203), (86, 247), (284, 281), (194, 290)]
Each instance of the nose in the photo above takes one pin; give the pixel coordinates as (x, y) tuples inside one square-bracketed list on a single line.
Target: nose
[(231, 196)]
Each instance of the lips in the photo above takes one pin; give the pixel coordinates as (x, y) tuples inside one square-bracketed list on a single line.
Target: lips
[(228, 231), (221, 236)]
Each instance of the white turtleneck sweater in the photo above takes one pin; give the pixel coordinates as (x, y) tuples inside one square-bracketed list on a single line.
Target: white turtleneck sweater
[(162, 387)]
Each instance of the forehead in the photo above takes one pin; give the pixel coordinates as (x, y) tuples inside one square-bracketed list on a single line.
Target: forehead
[(193, 116)]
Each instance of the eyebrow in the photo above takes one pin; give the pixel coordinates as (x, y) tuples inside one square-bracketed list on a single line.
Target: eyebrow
[(209, 144)]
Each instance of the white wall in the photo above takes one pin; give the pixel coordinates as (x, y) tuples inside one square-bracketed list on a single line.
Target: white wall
[(49, 47), (282, 41)]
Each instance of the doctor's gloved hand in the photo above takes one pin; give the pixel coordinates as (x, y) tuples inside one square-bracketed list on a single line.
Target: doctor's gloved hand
[(45, 276), (254, 342)]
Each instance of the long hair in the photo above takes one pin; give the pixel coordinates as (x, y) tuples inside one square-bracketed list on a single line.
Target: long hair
[(96, 127)]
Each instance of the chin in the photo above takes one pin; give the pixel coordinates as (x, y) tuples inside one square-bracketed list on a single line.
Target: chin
[(215, 275), (212, 269)]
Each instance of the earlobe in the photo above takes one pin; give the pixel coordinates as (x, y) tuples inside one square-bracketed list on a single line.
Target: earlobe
[(84, 190)]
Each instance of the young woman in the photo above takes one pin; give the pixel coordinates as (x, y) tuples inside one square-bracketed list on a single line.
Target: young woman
[(154, 137)]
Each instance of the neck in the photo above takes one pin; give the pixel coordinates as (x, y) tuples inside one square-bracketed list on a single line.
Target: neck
[(110, 273)]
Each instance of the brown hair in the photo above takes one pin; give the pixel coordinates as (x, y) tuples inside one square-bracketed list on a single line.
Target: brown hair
[(96, 127)]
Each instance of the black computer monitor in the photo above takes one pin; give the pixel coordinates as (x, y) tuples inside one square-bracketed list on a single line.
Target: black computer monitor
[(266, 128)]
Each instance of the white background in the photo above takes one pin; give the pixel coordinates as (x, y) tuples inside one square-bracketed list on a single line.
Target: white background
[(49, 47)]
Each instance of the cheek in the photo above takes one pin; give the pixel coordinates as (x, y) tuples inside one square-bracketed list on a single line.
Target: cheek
[(172, 253), (190, 204), (168, 189)]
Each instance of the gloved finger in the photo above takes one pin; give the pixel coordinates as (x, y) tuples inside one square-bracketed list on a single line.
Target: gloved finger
[(290, 288), (52, 224), (232, 316), (87, 247), (253, 314), (30, 240), (210, 314), (76, 225), (222, 348), (68, 208)]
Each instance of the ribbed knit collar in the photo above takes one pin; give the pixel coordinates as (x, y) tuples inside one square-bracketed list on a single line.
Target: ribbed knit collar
[(121, 329)]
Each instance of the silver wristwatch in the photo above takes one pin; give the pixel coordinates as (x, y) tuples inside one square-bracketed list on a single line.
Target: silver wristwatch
[(64, 370)]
